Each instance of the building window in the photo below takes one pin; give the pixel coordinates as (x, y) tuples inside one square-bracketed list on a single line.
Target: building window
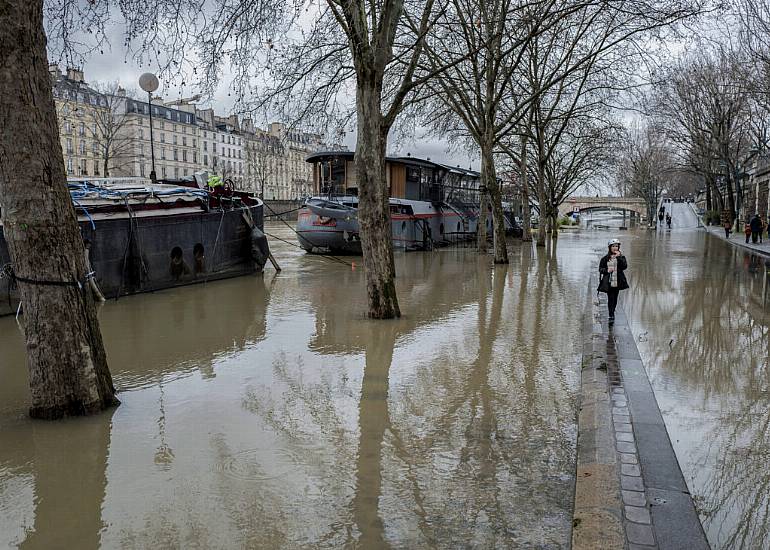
[(195, 157), (162, 137), (164, 171), (141, 133), (163, 153), (83, 167), (223, 138), (176, 154), (176, 128), (142, 170), (205, 160), (96, 168), (175, 139), (94, 147), (82, 129), (176, 171), (69, 166), (184, 155), (184, 141), (205, 145), (195, 142), (82, 147), (69, 147), (67, 127)]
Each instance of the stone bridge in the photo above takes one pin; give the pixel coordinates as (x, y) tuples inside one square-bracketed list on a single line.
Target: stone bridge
[(581, 204)]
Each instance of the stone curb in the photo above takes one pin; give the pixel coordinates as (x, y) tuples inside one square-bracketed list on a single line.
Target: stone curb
[(629, 489), (598, 508)]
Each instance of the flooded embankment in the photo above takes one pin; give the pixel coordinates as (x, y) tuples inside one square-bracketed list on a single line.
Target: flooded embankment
[(268, 412)]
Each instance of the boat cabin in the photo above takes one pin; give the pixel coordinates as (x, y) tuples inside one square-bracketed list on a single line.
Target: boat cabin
[(334, 173)]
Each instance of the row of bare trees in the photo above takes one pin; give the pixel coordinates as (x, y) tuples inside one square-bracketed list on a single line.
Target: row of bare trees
[(531, 81), (708, 110)]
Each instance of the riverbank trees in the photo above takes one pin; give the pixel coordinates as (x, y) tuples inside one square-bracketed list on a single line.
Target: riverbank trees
[(303, 62), (68, 371)]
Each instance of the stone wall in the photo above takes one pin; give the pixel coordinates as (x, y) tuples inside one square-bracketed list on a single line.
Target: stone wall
[(279, 207)]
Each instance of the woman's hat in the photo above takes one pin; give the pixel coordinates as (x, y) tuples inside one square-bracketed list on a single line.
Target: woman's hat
[(613, 241)]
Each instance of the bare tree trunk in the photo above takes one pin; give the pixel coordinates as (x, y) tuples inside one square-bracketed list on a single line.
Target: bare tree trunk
[(555, 224), (709, 205), (481, 226), (374, 208), (526, 230), (731, 196), (489, 177), (543, 202), (68, 373)]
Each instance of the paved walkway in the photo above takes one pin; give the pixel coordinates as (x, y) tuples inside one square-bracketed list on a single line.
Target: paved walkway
[(630, 492), (740, 240)]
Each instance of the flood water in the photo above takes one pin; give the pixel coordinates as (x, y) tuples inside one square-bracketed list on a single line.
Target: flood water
[(268, 412)]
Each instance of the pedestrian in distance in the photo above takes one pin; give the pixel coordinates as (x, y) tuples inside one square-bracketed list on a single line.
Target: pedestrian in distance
[(764, 228), (728, 226), (660, 216), (612, 278), (756, 228), (668, 221), (747, 230)]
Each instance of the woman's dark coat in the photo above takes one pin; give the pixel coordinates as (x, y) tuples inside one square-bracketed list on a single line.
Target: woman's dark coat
[(604, 275)]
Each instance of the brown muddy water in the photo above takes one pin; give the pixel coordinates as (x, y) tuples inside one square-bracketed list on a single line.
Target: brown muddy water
[(267, 412), (270, 413)]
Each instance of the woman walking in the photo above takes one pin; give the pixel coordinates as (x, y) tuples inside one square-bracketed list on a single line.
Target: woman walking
[(611, 277)]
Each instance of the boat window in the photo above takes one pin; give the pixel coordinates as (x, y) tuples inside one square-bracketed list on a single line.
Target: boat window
[(401, 209), (200, 266)]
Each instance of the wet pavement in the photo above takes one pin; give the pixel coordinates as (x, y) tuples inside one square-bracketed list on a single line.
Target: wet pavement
[(270, 413)]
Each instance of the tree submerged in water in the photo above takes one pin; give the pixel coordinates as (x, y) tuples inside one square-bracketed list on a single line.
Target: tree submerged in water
[(68, 372)]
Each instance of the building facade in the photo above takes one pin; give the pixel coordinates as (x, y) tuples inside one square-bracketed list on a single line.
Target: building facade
[(108, 134), (78, 108)]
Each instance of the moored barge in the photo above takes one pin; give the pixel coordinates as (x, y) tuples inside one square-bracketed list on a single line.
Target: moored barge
[(431, 204), (142, 236)]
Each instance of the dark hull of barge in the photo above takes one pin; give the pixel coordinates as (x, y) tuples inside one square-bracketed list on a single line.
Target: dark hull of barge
[(152, 251)]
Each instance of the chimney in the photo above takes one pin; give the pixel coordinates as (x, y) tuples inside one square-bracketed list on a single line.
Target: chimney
[(53, 68), (121, 92), (74, 74)]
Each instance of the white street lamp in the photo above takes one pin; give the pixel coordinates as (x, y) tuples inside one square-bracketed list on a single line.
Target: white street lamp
[(149, 83)]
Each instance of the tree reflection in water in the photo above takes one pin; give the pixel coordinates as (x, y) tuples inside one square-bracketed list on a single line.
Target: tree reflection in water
[(707, 353), (464, 426)]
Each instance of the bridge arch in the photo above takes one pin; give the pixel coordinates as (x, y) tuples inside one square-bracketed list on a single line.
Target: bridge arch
[(583, 204)]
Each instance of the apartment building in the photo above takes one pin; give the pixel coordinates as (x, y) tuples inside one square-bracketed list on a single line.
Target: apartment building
[(294, 178), (174, 134), (79, 109), (222, 146), (108, 133)]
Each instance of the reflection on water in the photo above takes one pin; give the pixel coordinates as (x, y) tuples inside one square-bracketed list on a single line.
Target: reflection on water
[(271, 413), (699, 309)]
